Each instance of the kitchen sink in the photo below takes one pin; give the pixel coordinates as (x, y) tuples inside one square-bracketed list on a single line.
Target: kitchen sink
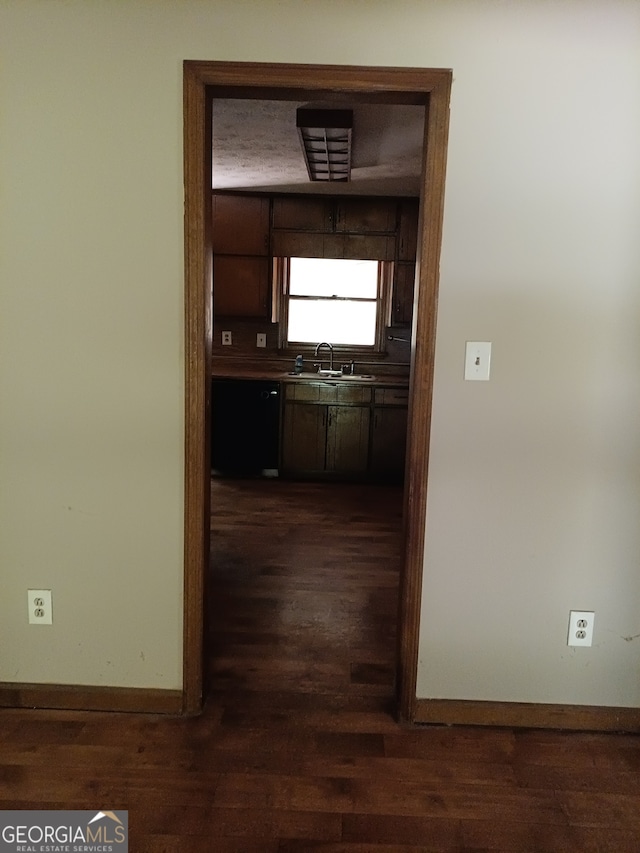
[(334, 376), (356, 376)]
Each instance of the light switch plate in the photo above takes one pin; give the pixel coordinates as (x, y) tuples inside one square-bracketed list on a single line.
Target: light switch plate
[(477, 362)]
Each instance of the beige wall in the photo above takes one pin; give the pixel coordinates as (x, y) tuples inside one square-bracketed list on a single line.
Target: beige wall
[(534, 491)]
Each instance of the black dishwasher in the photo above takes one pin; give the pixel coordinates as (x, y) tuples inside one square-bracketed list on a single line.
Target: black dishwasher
[(245, 426)]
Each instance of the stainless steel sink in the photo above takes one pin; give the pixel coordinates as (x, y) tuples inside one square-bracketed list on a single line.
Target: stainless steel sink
[(357, 376), (335, 376)]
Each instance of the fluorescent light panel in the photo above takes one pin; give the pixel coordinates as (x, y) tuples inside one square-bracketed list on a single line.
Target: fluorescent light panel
[(325, 136)]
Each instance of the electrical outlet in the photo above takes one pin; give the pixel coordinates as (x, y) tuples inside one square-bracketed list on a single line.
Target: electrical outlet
[(580, 628), (40, 610), (226, 339), (261, 339)]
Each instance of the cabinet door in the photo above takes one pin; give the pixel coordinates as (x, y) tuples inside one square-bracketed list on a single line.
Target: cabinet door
[(240, 225), (374, 247), (403, 293), (304, 437), (388, 444), (240, 286), (408, 231), (365, 216), (307, 244), (302, 214), (347, 439)]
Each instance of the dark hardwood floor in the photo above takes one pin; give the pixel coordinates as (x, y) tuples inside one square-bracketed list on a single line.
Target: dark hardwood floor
[(298, 749)]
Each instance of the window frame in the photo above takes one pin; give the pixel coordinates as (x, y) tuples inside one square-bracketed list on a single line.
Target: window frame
[(280, 311)]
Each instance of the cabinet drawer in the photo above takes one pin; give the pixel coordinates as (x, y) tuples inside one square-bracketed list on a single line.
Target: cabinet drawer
[(316, 392), (353, 394), (392, 396)]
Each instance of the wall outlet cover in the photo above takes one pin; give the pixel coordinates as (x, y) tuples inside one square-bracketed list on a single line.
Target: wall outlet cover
[(580, 628), (40, 609)]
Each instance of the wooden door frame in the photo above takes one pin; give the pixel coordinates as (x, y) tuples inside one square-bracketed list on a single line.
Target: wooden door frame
[(428, 87)]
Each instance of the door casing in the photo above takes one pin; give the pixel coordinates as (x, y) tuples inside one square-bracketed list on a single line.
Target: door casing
[(202, 81)]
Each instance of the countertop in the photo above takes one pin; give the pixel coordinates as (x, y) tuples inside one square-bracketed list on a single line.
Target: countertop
[(222, 369)]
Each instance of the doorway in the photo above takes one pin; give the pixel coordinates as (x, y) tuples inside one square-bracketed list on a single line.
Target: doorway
[(202, 82)]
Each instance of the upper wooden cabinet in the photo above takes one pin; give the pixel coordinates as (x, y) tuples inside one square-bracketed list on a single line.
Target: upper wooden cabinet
[(365, 216), (241, 225), (355, 228), (403, 294), (405, 268), (247, 227), (241, 266), (335, 215), (312, 244), (408, 230), (301, 213), (240, 286)]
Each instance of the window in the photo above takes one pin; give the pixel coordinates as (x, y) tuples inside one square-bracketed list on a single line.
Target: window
[(333, 299)]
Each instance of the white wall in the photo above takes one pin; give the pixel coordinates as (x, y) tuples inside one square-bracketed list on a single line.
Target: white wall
[(534, 496), (533, 499)]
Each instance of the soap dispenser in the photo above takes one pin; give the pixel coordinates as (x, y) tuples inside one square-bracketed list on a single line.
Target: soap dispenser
[(299, 364)]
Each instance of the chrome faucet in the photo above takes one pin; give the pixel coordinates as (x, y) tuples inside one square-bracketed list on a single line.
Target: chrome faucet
[(325, 344)]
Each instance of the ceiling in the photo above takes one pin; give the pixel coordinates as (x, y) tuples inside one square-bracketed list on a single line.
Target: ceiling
[(256, 147)]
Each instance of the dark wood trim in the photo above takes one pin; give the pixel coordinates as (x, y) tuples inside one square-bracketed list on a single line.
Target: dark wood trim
[(198, 336), (69, 697), (527, 715), (423, 339), (292, 82)]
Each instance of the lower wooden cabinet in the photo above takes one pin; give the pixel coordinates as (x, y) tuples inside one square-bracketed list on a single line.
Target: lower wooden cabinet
[(388, 443), (344, 432), (304, 438), (320, 439), (389, 434), (347, 439)]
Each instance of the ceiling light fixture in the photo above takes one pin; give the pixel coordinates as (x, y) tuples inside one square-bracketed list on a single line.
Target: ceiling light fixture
[(325, 136)]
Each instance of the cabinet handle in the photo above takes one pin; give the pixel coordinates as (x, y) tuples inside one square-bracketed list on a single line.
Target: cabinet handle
[(330, 418)]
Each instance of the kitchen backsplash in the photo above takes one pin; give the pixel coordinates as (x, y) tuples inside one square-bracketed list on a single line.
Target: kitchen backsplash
[(244, 341)]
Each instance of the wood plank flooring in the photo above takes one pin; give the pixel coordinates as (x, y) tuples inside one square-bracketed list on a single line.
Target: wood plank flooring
[(298, 749)]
